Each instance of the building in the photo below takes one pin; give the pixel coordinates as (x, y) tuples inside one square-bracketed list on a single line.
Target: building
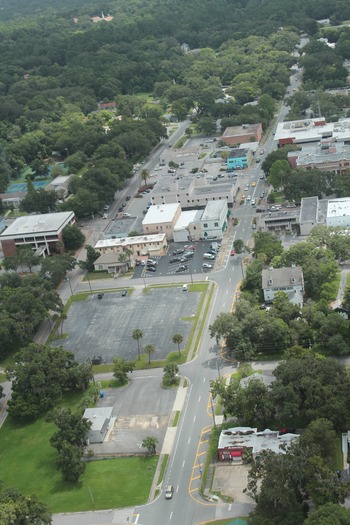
[(278, 220), (107, 106), (213, 222), (327, 155), (161, 218), (338, 212), (41, 232), (287, 280), (187, 227), (100, 418), (312, 130), (238, 159), (235, 135), (59, 185), (111, 263), (12, 200), (234, 441), (141, 246), (192, 193), (308, 214), (2, 224)]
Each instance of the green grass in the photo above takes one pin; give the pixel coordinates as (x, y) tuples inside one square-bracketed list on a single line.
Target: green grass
[(162, 470), (3, 377), (96, 276), (28, 460), (112, 383), (181, 142), (335, 287), (176, 418)]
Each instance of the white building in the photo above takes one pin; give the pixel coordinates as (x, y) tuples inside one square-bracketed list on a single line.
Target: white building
[(100, 418), (213, 222), (287, 280), (161, 218), (338, 212), (141, 246), (184, 224)]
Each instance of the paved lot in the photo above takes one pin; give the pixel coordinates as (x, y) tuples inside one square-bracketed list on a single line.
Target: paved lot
[(104, 327), (231, 480), (141, 409)]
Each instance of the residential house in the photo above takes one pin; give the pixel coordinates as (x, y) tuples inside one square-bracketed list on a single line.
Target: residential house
[(287, 280)]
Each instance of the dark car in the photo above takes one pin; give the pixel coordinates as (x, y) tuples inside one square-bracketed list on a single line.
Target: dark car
[(123, 205), (213, 252), (178, 251), (127, 198), (151, 269), (181, 268), (120, 209), (175, 260), (100, 295), (124, 293), (96, 360)]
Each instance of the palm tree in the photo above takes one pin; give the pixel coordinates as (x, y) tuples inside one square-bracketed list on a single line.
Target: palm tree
[(149, 349), (177, 339), (128, 252), (144, 176), (137, 335)]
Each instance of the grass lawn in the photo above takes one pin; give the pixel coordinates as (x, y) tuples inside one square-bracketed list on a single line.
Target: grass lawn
[(28, 460)]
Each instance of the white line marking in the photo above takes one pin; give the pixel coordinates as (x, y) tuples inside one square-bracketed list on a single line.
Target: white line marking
[(177, 488), (171, 515), (229, 279), (137, 519), (229, 507), (183, 464), (204, 379), (194, 419), (199, 399), (180, 429), (189, 439)]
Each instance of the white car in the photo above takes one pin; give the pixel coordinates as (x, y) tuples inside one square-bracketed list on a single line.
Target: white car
[(209, 256), (253, 202), (249, 198), (207, 266), (126, 215)]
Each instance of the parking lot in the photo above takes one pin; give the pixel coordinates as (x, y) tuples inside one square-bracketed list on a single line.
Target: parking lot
[(172, 263), (104, 326)]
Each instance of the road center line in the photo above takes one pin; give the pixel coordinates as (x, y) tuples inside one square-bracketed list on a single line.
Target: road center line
[(199, 399), (194, 419), (183, 464)]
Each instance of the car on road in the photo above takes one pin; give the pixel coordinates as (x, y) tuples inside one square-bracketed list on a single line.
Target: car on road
[(120, 209), (127, 198), (105, 216), (126, 215), (246, 187), (169, 491), (261, 176), (262, 152), (254, 184), (209, 256), (249, 197), (124, 293), (100, 295), (262, 194), (124, 205), (233, 252), (207, 266), (257, 161), (253, 202), (181, 268)]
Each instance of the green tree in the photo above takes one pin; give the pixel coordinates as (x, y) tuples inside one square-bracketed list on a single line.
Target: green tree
[(267, 244), (19, 509), (150, 443), (27, 257), (91, 256), (149, 350), (144, 176), (73, 237), (177, 339), (56, 267), (170, 375), (329, 513), (279, 172), (121, 368), (69, 462), (254, 406), (137, 335), (238, 245), (41, 201)]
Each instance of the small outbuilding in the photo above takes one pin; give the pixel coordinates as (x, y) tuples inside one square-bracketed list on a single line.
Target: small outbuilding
[(100, 418)]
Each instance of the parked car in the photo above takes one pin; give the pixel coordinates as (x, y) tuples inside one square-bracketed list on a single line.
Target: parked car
[(106, 207), (105, 216), (175, 260), (184, 287), (207, 266), (120, 209), (126, 215), (181, 268), (213, 252), (209, 256), (253, 184), (178, 251), (151, 269), (249, 197), (100, 295), (127, 198), (124, 293), (233, 252), (188, 254), (96, 360), (253, 202)]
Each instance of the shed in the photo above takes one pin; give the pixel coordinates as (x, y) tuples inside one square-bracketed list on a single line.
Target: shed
[(100, 418)]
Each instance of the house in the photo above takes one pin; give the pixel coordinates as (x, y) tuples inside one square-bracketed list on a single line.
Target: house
[(107, 106), (141, 246), (100, 418), (12, 200), (235, 135), (287, 280), (234, 441), (59, 185), (41, 232), (111, 263), (161, 218)]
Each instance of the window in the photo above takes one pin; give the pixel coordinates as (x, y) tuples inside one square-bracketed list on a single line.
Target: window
[(194, 227), (205, 225), (216, 224)]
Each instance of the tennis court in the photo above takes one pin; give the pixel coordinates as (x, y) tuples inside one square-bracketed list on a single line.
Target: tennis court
[(22, 186)]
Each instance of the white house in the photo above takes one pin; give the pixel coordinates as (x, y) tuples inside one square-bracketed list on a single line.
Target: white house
[(100, 419), (287, 280)]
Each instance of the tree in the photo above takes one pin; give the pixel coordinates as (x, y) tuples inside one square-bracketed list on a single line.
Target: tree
[(238, 245), (144, 176), (19, 509), (72, 428), (73, 237), (177, 340), (279, 172), (329, 513), (69, 462), (91, 256), (266, 243), (254, 405), (41, 201), (56, 267), (40, 375), (170, 376), (149, 349), (137, 336), (121, 368), (150, 443), (27, 257)]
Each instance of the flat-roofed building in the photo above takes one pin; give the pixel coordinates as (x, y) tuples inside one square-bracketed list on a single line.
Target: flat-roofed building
[(40, 232), (161, 218), (184, 224), (235, 135), (327, 155), (308, 214), (141, 246), (312, 130), (238, 159), (338, 212), (192, 193), (214, 220)]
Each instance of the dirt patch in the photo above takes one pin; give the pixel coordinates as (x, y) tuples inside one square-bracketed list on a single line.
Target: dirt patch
[(231, 480)]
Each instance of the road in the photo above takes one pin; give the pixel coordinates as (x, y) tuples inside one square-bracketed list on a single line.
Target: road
[(185, 462)]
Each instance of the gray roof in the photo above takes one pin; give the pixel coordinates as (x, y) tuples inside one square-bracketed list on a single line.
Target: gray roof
[(98, 416), (36, 224), (213, 209), (282, 277), (309, 209), (239, 437)]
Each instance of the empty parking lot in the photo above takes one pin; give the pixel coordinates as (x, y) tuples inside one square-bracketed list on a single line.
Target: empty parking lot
[(104, 327)]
